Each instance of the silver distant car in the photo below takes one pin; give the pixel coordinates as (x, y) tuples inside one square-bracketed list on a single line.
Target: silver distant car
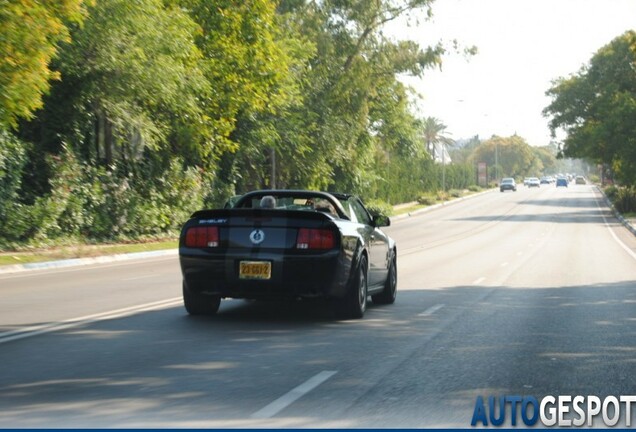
[(508, 183)]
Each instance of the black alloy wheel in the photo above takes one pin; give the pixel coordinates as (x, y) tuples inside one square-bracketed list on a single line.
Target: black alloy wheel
[(388, 295), (354, 304)]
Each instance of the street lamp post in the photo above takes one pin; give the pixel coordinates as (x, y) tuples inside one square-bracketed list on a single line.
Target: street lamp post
[(443, 168), (496, 162)]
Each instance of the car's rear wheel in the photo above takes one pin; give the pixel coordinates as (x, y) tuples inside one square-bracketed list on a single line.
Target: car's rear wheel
[(200, 304), (390, 286), (354, 304)]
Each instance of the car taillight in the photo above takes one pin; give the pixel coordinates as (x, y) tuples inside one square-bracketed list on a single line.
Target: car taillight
[(201, 237), (311, 238)]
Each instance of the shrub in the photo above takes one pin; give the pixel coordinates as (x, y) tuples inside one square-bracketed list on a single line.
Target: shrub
[(455, 193), (474, 188), (442, 195), (611, 192), (426, 200), (12, 161), (377, 207), (625, 201)]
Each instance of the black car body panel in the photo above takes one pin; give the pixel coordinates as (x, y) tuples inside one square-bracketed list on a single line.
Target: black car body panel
[(247, 234)]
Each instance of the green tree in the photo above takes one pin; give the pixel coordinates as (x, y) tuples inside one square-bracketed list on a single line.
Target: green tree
[(434, 132), (508, 156), (463, 148), (29, 35), (131, 69), (596, 108), (357, 66), (348, 100), (244, 63), (546, 155)]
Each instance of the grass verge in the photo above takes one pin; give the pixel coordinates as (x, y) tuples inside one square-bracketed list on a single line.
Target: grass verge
[(82, 251)]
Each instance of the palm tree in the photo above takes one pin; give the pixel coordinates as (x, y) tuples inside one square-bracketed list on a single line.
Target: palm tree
[(434, 133)]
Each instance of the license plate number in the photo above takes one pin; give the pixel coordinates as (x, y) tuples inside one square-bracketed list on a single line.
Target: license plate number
[(255, 270)]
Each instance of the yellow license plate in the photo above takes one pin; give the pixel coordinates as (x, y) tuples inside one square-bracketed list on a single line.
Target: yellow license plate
[(255, 270)]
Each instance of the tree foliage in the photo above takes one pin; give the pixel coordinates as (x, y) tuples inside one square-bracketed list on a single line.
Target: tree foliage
[(508, 157), (152, 108), (134, 69), (29, 34), (596, 108)]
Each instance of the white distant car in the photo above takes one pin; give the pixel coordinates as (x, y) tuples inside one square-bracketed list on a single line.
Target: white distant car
[(533, 182)]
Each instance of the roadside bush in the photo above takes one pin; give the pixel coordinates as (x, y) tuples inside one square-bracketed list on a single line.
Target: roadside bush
[(611, 192), (166, 205), (625, 201), (376, 207), (441, 195), (12, 161), (88, 204), (426, 200), (474, 188), (455, 193)]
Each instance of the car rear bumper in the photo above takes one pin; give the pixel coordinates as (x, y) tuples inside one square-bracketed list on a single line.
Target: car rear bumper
[(320, 275)]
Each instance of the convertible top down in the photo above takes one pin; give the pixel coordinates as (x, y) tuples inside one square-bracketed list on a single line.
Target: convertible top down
[(276, 244)]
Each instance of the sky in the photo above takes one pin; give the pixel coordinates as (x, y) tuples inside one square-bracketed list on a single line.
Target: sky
[(523, 45)]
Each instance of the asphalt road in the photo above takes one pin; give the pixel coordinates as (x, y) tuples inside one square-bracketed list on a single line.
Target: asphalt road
[(528, 293)]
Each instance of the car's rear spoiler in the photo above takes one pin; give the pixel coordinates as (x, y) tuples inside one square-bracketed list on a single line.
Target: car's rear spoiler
[(273, 216)]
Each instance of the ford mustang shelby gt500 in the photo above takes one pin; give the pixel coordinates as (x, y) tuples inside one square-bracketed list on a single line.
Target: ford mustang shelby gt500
[(276, 244)]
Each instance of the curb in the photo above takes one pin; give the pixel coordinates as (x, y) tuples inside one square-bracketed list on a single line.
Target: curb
[(76, 262), (436, 206), (619, 216)]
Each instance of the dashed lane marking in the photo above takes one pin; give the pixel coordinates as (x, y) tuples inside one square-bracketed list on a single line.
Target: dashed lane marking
[(292, 396), (430, 311), (75, 322)]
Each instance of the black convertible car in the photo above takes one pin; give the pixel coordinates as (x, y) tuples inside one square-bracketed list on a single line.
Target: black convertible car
[(276, 244)]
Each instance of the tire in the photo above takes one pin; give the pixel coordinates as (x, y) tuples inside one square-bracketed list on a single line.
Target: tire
[(354, 304), (390, 286), (200, 304)]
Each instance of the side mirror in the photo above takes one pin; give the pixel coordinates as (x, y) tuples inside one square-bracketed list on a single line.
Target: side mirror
[(381, 221)]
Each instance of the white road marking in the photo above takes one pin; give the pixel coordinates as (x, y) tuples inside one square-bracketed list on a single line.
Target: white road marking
[(504, 264), (293, 395), (478, 281), (620, 243), (431, 310), (75, 322), (139, 277)]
